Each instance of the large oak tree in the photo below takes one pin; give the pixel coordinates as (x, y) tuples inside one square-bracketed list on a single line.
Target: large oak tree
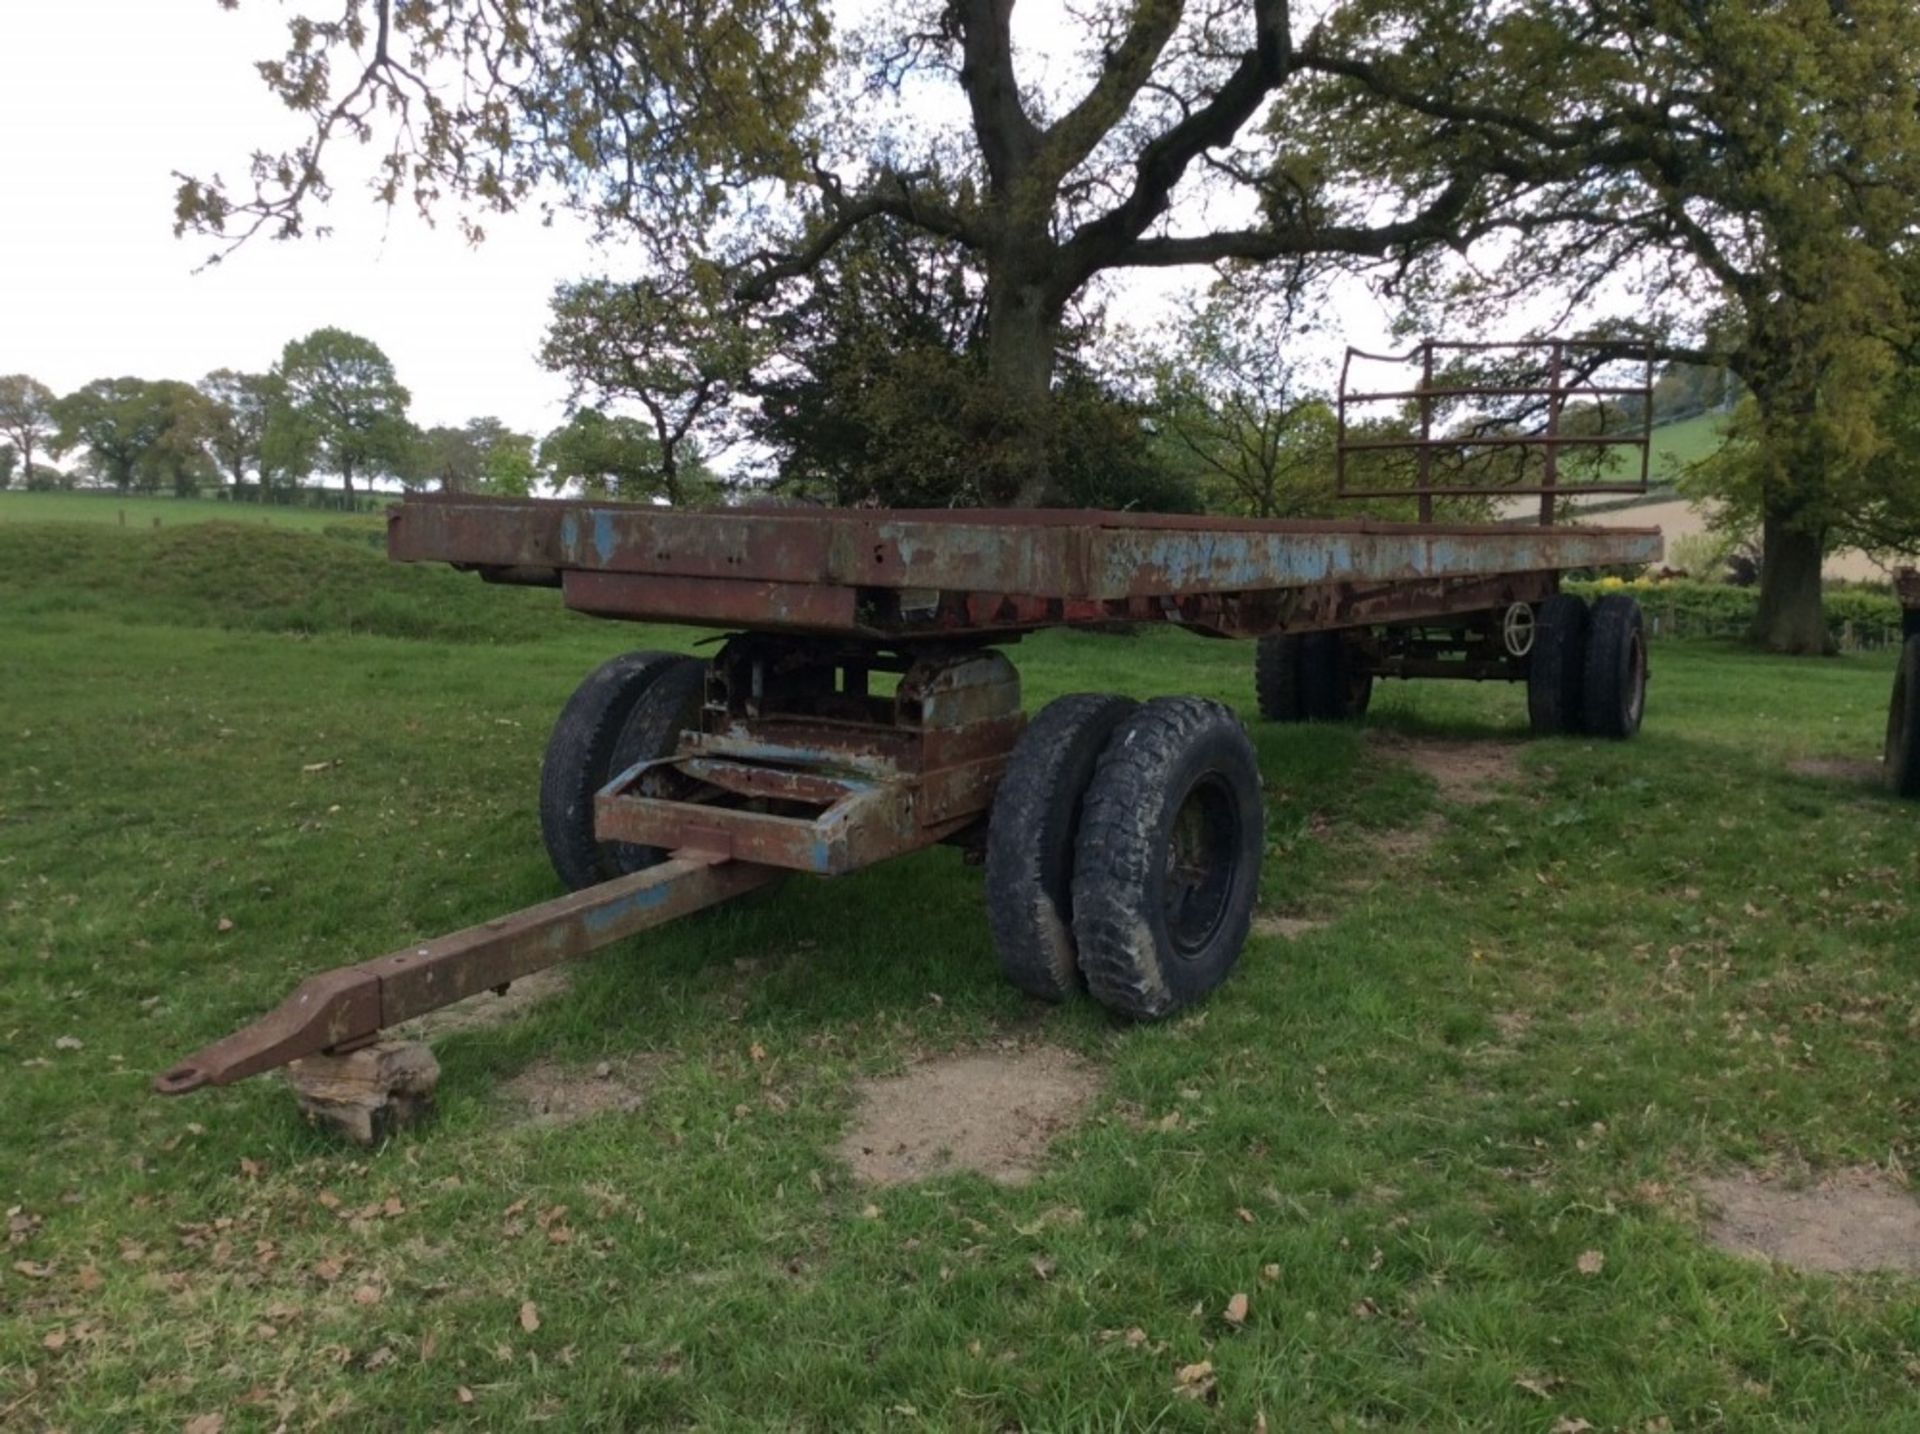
[(739, 143)]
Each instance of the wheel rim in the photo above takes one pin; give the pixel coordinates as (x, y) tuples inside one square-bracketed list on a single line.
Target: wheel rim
[(1202, 862), (1636, 680)]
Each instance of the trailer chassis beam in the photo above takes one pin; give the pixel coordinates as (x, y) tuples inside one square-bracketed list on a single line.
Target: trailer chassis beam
[(341, 1010)]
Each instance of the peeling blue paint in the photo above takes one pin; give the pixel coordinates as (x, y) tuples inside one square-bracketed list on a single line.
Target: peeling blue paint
[(603, 919)]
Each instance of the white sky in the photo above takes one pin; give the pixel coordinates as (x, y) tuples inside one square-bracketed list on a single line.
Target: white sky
[(102, 100)]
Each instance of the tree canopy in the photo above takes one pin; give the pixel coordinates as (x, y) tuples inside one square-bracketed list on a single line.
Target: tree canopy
[(740, 148), (340, 406), (26, 415)]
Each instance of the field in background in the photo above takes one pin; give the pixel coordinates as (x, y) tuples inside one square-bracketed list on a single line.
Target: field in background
[(144, 513), (1508, 1007)]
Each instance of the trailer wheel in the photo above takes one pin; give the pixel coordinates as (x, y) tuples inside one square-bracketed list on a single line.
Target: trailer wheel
[(1167, 865), (1903, 723), (1276, 677), (1615, 695), (1030, 840), (1335, 685), (580, 758), (1556, 668), (668, 706)]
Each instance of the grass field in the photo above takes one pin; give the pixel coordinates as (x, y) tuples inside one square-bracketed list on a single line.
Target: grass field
[(1449, 1143), (143, 514)]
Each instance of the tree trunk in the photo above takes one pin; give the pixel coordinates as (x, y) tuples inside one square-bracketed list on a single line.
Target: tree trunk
[(1023, 332), (1791, 617), (346, 476)]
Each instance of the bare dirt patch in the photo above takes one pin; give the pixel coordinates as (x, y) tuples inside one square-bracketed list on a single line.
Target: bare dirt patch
[(553, 1094), (478, 1013), (1849, 771), (1468, 773), (1853, 1220), (1287, 928), (994, 1112), (1512, 1025)]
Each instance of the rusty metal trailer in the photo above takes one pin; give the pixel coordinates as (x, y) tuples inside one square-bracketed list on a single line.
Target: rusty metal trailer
[(1902, 752), (863, 705)]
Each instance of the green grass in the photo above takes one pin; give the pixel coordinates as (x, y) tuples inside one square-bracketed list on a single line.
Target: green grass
[(136, 513), (1675, 447), (1635, 965)]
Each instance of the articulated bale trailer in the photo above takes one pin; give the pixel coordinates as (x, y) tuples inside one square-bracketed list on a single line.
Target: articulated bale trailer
[(864, 706)]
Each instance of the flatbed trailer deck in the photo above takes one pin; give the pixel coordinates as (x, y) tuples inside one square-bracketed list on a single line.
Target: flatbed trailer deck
[(874, 573), (861, 707)]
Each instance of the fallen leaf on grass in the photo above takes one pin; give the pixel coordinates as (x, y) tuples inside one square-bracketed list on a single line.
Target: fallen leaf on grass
[(366, 1295), (1591, 1262), (1196, 1381), (1571, 1426), (205, 1424), (69, 1043), (54, 1342), (463, 1394), (529, 1316), (32, 1270), (1539, 1388), (316, 766), (224, 924), (1236, 1311), (1269, 1273)]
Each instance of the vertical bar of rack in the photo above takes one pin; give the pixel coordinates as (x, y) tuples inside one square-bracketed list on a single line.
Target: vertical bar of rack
[(1646, 424), (1340, 439), (1552, 478), (1426, 432)]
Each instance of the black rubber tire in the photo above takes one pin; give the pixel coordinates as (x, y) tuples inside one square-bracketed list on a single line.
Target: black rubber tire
[(669, 705), (1030, 840), (1903, 723), (1276, 677), (581, 756), (1335, 685), (1557, 665), (1613, 694), (1149, 948)]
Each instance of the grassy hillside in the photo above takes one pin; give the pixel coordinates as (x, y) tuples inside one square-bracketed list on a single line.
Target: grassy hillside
[(131, 513), (237, 575)]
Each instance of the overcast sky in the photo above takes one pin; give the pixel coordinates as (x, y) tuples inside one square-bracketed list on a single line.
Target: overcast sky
[(102, 100)]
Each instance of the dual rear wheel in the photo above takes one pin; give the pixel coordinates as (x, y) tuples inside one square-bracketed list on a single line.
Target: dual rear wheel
[(1587, 671), (1123, 852)]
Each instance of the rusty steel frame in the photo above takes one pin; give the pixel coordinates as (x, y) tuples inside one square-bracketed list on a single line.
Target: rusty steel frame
[(1552, 440), (786, 723), (346, 1008), (882, 574)]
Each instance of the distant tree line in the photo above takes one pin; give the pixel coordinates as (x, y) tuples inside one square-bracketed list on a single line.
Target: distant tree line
[(332, 409)]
